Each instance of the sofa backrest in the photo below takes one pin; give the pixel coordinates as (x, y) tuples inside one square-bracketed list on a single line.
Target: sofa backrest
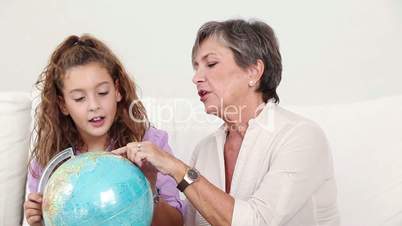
[(366, 143)]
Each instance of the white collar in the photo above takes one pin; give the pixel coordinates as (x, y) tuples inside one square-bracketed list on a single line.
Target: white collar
[(265, 119)]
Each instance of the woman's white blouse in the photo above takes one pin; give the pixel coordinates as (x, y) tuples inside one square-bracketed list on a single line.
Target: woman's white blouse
[(283, 174)]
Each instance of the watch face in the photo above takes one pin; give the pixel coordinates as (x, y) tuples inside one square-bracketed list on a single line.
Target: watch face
[(193, 174)]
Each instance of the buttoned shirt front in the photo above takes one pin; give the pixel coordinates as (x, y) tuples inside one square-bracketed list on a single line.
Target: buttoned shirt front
[(283, 174)]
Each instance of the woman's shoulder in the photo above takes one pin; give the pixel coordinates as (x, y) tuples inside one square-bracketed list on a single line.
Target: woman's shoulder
[(296, 127), (288, 120)]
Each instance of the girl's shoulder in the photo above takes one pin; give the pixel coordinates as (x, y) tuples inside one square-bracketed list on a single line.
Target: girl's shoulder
[(35, 167), (156, 136)]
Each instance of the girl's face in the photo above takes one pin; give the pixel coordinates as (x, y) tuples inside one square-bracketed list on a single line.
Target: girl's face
[(90, 97)]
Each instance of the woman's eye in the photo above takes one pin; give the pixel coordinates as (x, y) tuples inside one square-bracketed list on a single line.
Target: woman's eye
[(103, 93), (211, 64), (79, 99)]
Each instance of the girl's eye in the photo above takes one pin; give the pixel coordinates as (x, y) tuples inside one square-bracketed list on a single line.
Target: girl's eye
[(103, 93), (79, 99), (210, 65)]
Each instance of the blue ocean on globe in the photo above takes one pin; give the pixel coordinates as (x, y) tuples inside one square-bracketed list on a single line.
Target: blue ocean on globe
[(97, 189)]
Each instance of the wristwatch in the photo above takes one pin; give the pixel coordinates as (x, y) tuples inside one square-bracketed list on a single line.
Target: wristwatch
[(191, 176)]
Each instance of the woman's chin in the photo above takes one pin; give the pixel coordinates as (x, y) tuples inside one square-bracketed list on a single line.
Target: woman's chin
[(210, 108), (212, 113)]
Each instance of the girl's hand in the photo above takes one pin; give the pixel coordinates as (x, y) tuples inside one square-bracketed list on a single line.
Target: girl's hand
[(143, 153), (150, 173), (33, 209)]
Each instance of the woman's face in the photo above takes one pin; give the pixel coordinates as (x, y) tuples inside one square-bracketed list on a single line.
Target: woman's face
[(221, 84), (90, 97)]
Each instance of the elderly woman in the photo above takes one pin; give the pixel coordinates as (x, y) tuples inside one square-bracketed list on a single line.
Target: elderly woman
[(264, 165)]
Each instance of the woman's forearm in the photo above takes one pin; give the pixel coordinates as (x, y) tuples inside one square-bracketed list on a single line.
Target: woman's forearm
[(214, 205)]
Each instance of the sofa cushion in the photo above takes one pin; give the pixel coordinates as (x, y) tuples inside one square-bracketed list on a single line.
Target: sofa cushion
[(15, 124)]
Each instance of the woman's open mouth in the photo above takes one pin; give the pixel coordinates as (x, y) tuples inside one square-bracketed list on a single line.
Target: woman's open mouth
[(203, 95)]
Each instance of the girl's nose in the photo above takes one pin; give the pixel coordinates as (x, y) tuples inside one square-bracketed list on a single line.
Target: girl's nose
[(93, 104)]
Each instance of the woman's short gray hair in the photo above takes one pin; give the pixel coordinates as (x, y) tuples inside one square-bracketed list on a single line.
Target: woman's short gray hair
[(249, 41)]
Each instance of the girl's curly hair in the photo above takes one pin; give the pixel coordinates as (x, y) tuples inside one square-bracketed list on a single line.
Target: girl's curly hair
[(56, 131)]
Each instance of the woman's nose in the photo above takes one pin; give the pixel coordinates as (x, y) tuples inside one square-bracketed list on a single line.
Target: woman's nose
[(198, 77)]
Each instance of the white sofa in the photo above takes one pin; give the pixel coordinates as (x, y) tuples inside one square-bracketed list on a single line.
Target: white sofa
[(365, 137)]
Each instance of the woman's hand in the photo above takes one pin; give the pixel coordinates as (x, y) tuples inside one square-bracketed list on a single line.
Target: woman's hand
[(33, 209), (143, 153)]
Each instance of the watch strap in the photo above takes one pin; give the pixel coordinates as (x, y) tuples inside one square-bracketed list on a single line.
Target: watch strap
[(182, 185)]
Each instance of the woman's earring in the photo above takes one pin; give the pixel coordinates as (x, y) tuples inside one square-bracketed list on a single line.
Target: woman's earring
[(251, 83)]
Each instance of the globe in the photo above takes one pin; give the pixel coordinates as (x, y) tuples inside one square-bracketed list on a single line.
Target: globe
[(97, 189)]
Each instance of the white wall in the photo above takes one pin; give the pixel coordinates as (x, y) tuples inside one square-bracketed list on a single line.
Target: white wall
[(334, 51)]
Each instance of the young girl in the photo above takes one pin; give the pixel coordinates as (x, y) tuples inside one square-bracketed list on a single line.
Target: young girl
[(85, 102)]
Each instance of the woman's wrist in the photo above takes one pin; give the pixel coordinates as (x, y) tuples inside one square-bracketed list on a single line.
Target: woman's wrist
[(178, 170)]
